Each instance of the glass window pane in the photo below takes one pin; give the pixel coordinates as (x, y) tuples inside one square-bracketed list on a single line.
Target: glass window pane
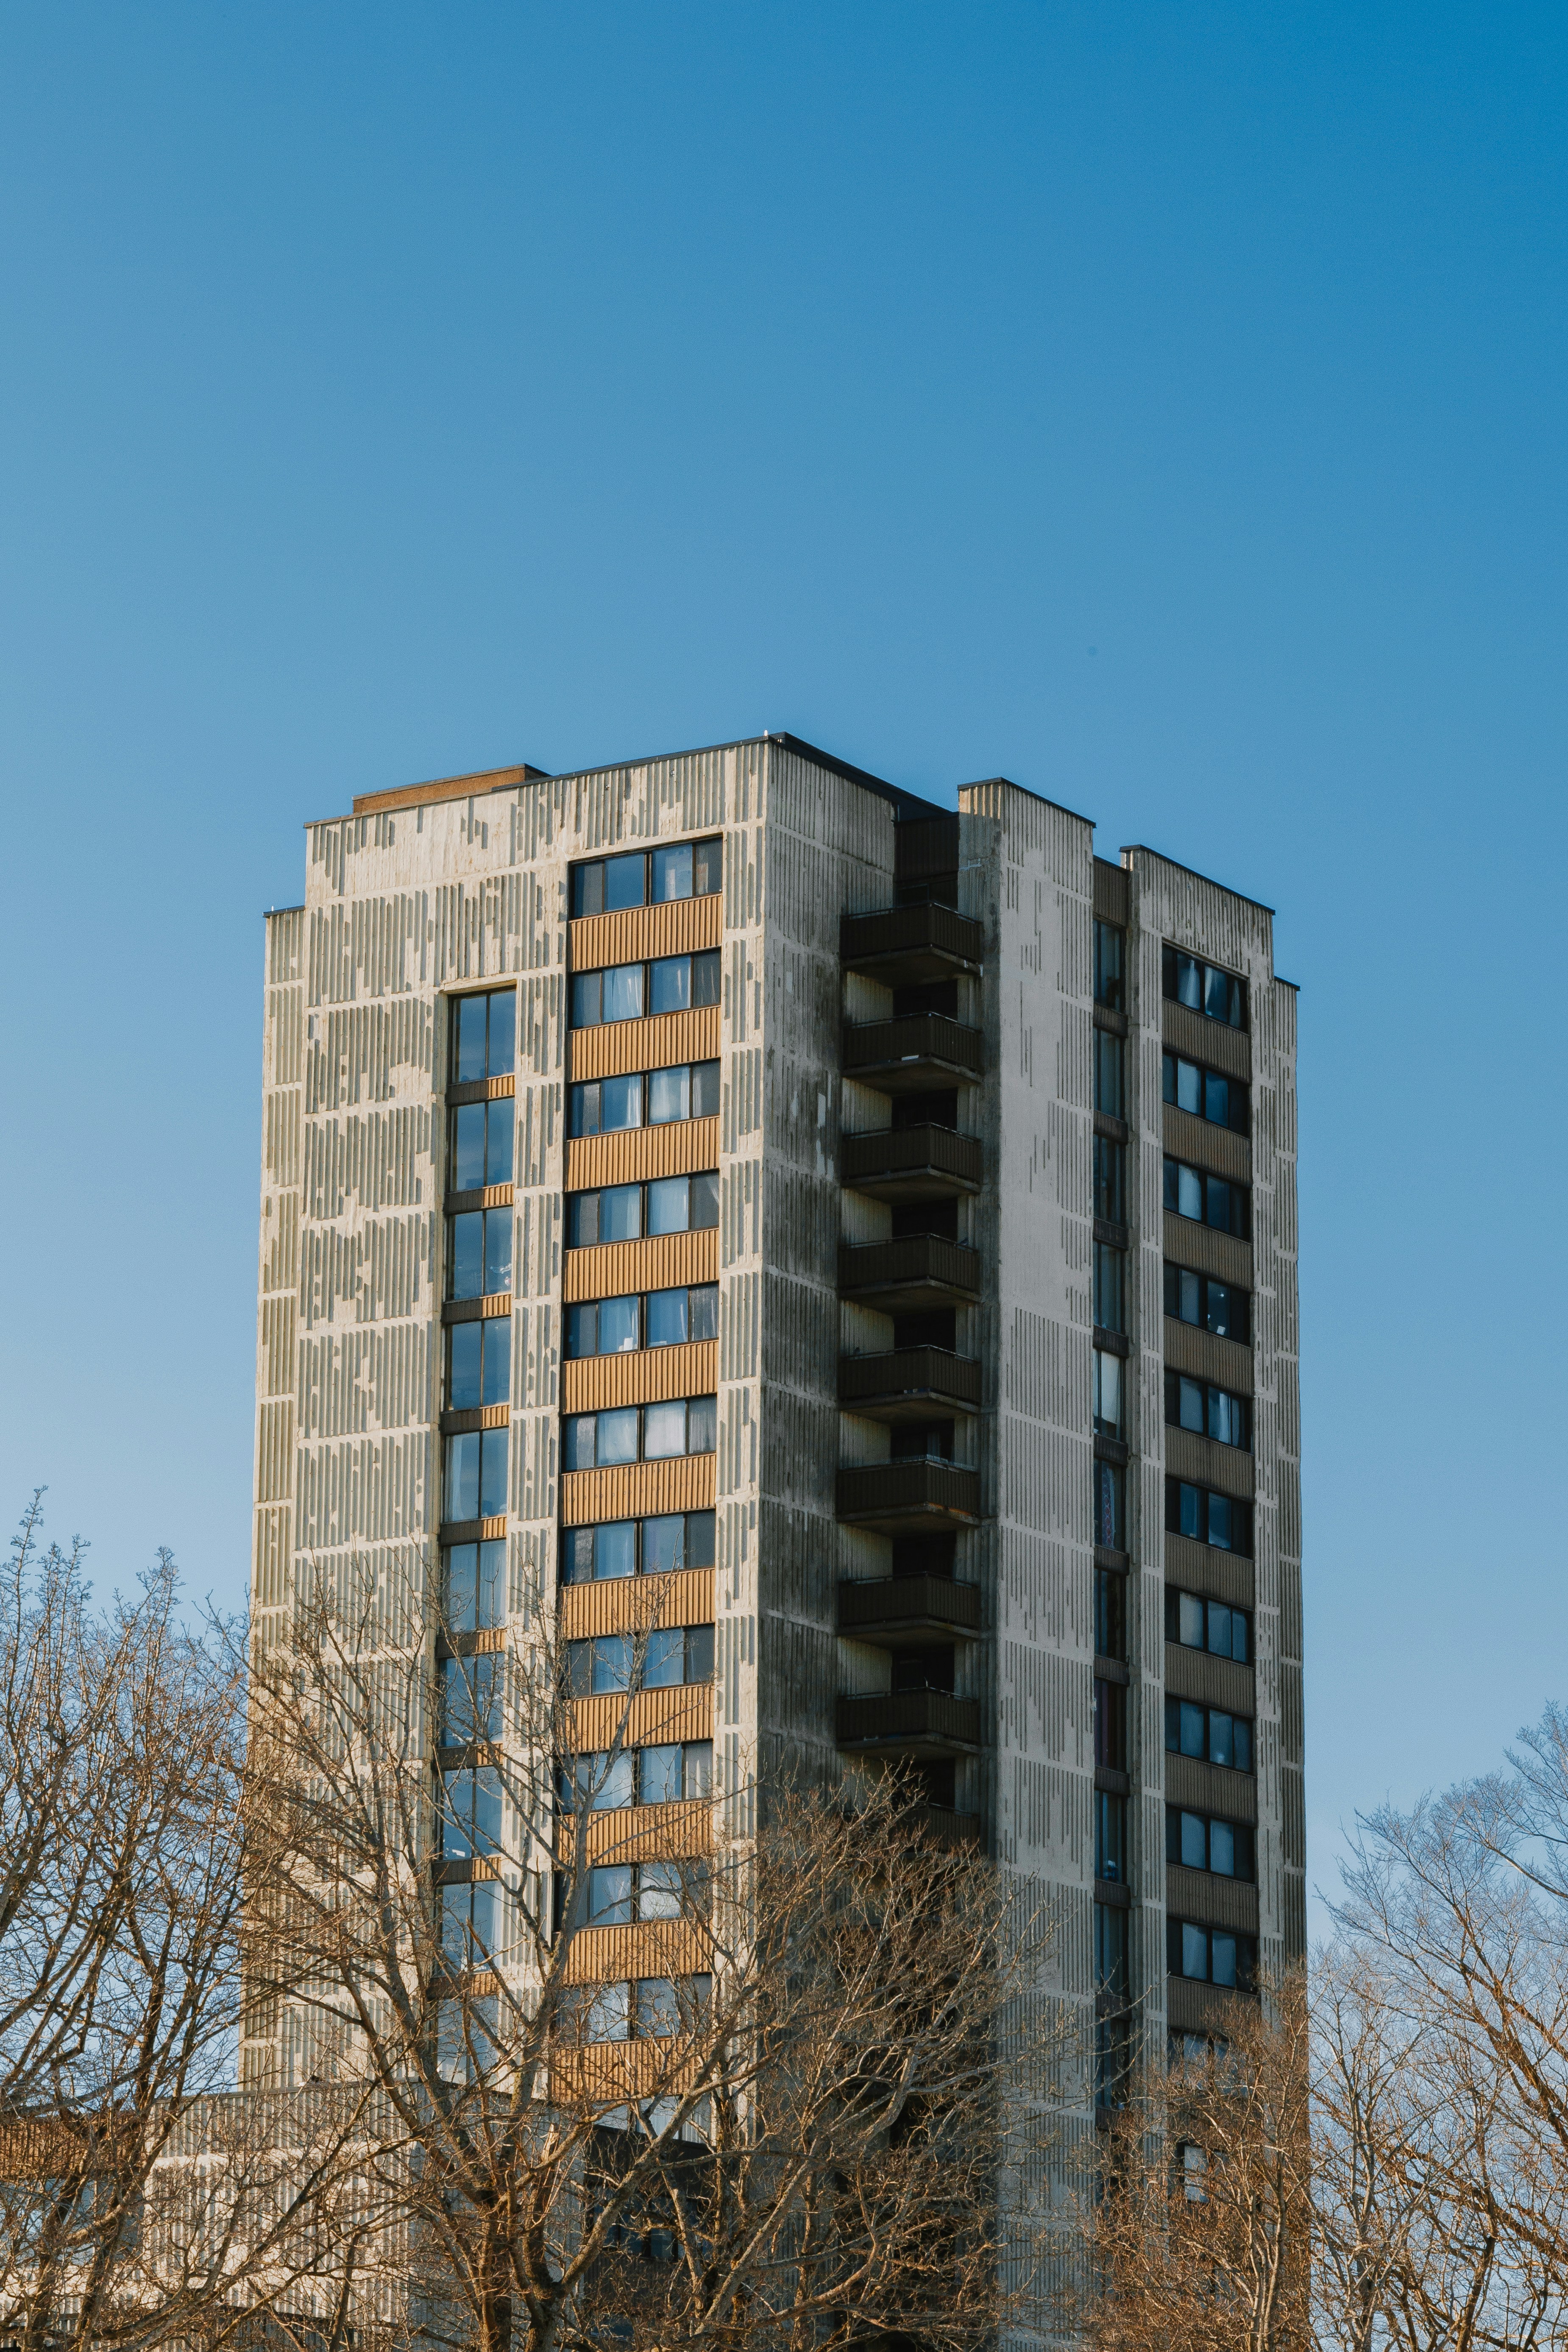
[(1194, 1951), (612, 1662), (465, 1358), (623, 993), (1192, 1728), (666, 1317), (700, 1539), (702, 1311), (1189, 1086), (659, 2010), (700, 1653), (1192, 1405), (672, 872), (468, 1168), (1241, 1744), (658, 1890), (1219, 1736), (609, 2013), (664, 1432), (620, 1104), (582, 1329), (661, 1775), (615, 1548), (466, 1258), (1168, 1077), (576, 1555), (504, 1033), (1216, 1098), (1221, 1961), (1191, 1513), (1194, 1852), (581, 1220), (620, 1212), (1216, 994), (705, 1090), (662, 1544), (460, 1498), (668, 1200), (578, 1433), (705, 1193), (492, 1473), (1189, 1191), (668, 1095), (491, 1606), (1218, 1629), (703, 1424), (664, 1661), (586, 987), (1239, 1645), (610, 1896), (497, 1330), (1220, 1522), (708, 868), (707, 980), (618, 1321), (588, 889), (500, 1130), (697, 1769), (615, 1784), (625, 881), (462, 1568), (1222, 1849), (1107, 965), (671, 989), (585, 1108), (618, 1439), (1191, 1621), (1189, 982), (470, 1038), (498, 1250)]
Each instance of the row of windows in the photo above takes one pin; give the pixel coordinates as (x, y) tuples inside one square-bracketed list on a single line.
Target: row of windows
[(625, 1213), (1199, 1842), (1208, 1733), (648, 2009), (663, 1659), (1210, 1411), (644, 877), (1209, 1954), (1207, 1094), (658, 1319), (1198, 1513), (620, 1892), (1212, 1626), (1218, 996), (1223, 1308), (636, 1547), (481, 1136), (631, 991), (644, 1099), (639, 1432), (599, 1782), (1207, 1200)]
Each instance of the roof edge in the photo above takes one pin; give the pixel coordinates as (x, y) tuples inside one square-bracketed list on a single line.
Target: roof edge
[(1045, 800), (1131, 848)]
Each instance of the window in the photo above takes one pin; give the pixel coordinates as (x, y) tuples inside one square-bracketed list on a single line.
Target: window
[(1111, 1505), (681, 869), (478, 1362), (470, 1813), (1218, 994), (481, 1140), (1208, 1955), (1205, 1516), (652, 2008), (478, 1253), (1210, 1305), (637, 1433), (1111, 1950), (625, 1547), (1110, 1311), (625, 1891), (1209, 1734), (1211, 1411), (625, 991), (1109, 1090), (1110, 1613), (473, 1922), (671, 1655), (475, 1586), (1207, 1094), (660, 1318), (1110, 1419), (1212, 1626), (472, 1691), (1110, 988), (1198, 1842), (483, 1037), (1110, 1837), (1110, 1724), (1207, 1200), (679, 1772), (1112, 2059), (475, 1483), (650, 1098), (1110, 1180), (623, 1212)]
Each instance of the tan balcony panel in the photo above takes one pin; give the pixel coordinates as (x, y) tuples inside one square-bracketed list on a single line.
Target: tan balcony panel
[(1206, 1463), (647, 1718), (919, 1270), (655, 1043), (637, 1490), (913, 1163), (495, 1303), (633, 1604), (901, 945), (484, 1416), (468, 1090), (907, 1608), (1216, 1902), (637, 934), (1202, 1144), (484, 1196), (1200, 2008), (647, 2067), (1202, 1040), (662, 1262), (1206, 1357), (681, 1147), (459, 1531), (1219, 1575), (646, 1947), (908, 1495), (1212, 1681), (641, 1376), (1211, 1788), (642, 1833), (908, 1383), (911, 1723), (910, 1056), (1207, 1250)]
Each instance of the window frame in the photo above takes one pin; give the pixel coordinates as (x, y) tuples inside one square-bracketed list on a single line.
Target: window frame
[(639, 1567), (587, 1094), (1174, 1596), (643, 1187), (1206, 1178), (704, 969), (1238, 1511), (456, 999), (1208, 1391), (1234, 1291), (1171, 1060), (574, 1420), (711, 866), (1172, 957)]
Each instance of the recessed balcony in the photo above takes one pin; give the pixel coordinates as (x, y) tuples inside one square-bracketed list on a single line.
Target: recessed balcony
[(908, 1383), (915, 1053), (905, 945), (908, 1609), (909, 1497), (909, 1723), (920, 1270), (913, 1163)]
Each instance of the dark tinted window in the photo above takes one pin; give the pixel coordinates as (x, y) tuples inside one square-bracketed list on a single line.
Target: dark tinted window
[(484, 1030), (1218, 994)]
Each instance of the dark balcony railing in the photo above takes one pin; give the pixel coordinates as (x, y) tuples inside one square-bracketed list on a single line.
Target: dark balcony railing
[(905, 944), (918, 1052), (909, 1495), (908, 1383), (893, 1606), (920, 1270), (933, 1720), (944, 1827), (913, 1163)]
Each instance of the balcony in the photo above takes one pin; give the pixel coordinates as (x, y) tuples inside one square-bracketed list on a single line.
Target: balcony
[(918, 1052), (913, 1163), (945, 1828), (908, 1383), (902, 945), (909, 1609), (909, 1497), (920, 1270), (913, 1723)]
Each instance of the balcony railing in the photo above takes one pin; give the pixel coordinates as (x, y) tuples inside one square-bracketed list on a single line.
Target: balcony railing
[(914, 1163), (892, 1607), (920, 1270), (906, 1383), (908, 1495), (902, 945), (944, 1827), (933, 1722), (914, 1054)]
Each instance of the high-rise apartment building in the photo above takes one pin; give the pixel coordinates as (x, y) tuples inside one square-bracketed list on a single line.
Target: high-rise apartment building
[(878, 1222)]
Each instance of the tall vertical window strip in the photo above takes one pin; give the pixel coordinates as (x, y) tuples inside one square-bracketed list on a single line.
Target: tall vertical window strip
[(1110, 1094), (484, 1035), (1110, 1309), (1110, 986)]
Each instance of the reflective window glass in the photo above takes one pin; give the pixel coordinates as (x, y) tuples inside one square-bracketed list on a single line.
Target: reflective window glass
[(1194, 1951), (670, 984), (615, 1547), (708, 868), (664, 1544), (1222, 1957), (668, 1095), (1222, 1849), (587, 995), (702, 1311), (620, 1212), (658, 1890), (619, 1321), (626, 882), (468, 1168), (672, 872), (623, 995), (664, 1432), (582, 1328), (668, 1204), (661, 1775), (1195, 1854), (620, 1103), (617, 1435), (610, 1896), (705, 1193), (497, 1249), (667, 1317), (664, 1661)]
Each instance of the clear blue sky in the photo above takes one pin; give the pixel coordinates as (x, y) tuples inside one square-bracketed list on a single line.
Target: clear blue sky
[(1163, 405)]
